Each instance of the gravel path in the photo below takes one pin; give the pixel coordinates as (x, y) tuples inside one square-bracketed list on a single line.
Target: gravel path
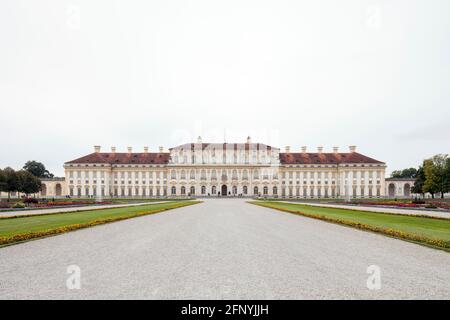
[(222, 249), (418, 212), (72, 209)]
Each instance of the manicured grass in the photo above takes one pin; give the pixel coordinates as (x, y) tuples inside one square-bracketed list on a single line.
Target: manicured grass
[(21, 228), (433, 231)]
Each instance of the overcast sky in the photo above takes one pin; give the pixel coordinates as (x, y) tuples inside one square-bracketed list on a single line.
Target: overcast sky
[(74, 74)]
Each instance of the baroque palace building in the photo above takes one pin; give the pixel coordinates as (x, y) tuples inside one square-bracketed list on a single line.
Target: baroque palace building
[(225, 169)]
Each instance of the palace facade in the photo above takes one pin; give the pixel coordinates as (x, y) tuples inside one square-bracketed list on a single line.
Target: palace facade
[(225, 169)]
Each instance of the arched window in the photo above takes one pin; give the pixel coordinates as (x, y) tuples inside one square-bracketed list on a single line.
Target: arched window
[(265, 175), (203, 190), (213, 174), (224, 175), (203, 175), (192, 175), (173, 174), (255, 174), (58, 189), (43, 190), (244, 189), (245, 175), (407, 190), (255, 190), (173, 190), (275, 190), (183, 174), (192, 190), (183, 190), (234, 174), (234, 190), (265, 190), (213, 190)]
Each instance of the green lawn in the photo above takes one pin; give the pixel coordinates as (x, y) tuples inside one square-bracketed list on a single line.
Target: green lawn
[(429, 230), (26, 227)]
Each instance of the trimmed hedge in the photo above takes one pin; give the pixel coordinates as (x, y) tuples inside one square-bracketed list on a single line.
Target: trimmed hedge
[(387, 231), (49, 232)]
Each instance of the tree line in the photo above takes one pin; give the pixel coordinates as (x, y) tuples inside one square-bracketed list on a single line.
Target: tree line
[(27, 180), (432, 177)]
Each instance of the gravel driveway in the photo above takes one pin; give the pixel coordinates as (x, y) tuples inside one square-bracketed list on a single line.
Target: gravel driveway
[(223, 249)]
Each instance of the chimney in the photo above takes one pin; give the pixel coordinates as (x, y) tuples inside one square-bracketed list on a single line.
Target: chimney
[(161, 149), (319, 149), (199, 139), (335, 149), (288, 149), (145, 149), (97, 149), (303, 149), (249, 140), (352, 148), (130, 149), (113, 149)]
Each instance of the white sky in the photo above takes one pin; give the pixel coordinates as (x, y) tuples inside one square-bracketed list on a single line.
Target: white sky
[(74, 74)]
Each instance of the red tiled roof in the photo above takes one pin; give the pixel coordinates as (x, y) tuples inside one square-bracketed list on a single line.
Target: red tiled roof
[(124, 158), (163, 158), (224, 146), (325, 158)]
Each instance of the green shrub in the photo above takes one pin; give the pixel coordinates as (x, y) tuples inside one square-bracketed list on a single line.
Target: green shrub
[(18, 205)]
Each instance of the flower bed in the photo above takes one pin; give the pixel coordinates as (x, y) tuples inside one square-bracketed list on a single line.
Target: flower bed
[(51, 204), (442, 205), (66, 203)]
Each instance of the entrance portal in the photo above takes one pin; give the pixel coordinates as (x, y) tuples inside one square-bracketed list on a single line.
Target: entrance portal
[(224, 190)]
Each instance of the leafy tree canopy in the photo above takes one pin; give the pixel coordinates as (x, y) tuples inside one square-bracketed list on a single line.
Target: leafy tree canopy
[(27, 182), (37, 169), (420, 180), (2, 181), (410, 173)]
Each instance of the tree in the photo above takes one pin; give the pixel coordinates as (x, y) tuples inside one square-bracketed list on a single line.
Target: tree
[(439, 173), (447, 175), (11, 181), (2, 181), (418, 183), (27, 182), (37, 169), (431, 183), (410, 173)]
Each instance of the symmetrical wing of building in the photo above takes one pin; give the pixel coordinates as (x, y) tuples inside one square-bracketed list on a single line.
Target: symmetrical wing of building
[(225, 169)]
